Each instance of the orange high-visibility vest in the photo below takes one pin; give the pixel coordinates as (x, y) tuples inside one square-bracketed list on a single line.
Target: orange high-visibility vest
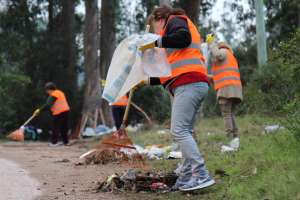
[(227, 73), (123, 101), (60, 105), (189, 59)]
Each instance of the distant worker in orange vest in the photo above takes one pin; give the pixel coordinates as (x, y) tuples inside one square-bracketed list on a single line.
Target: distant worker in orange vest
[(227, 83), (188, 84), (118, 110), (60, 109)]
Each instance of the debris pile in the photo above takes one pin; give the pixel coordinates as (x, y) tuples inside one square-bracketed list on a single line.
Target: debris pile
[(109, 155), (137, 181)]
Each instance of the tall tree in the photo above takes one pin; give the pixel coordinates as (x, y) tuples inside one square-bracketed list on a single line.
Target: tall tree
[(195, 8), (107, 45), (50, 15), (92, 96), (165, 2), (149, 5), (192, 9), (69, 49)]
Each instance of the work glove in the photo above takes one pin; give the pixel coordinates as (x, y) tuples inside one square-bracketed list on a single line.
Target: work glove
[(210, 38), (147, 46), (103, 82), (36, 112), (141, 84)]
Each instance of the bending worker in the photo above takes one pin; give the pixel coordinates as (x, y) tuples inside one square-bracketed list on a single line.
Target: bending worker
[(189, 86), (227, 83), (118, 110), (60, 109)]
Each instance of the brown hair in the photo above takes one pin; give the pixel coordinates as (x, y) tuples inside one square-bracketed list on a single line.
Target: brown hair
[(225, 45), (163, 12), (50, 86)]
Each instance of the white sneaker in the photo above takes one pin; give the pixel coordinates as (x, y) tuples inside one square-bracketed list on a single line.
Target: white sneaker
[(197, 183), (54, 145)]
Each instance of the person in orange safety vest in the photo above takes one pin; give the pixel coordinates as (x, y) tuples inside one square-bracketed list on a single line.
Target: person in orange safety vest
[(60, 110), (118, 110), (227, 83), (188, 84)]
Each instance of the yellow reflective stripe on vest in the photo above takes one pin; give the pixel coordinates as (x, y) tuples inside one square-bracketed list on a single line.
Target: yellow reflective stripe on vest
[(191, 46), (191, 61), (229, 78), (227, 69)]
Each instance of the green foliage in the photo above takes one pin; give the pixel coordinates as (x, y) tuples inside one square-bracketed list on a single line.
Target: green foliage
[(292, 121), (12, 94), (276, 85), (265, 167), (155, 101)]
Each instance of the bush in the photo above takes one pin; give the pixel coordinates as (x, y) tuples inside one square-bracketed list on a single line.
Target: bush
[(12, 94), (292, 121), (155, 101), (276, 85)]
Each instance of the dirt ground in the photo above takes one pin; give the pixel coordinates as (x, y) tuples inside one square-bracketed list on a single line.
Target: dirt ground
[(55, 170)]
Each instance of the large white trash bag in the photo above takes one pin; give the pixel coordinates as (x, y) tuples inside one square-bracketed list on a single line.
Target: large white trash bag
[(129, 66)]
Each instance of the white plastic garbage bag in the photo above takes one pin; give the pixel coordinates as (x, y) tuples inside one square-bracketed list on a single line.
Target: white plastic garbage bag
[(129, 66), (205, 52)]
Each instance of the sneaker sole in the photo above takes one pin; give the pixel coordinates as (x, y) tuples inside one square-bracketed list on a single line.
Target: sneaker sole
[(204, 185)]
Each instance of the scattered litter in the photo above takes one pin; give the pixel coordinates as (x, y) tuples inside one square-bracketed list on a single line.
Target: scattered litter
[(175, 155), (227, 149), (89, 132), (62, 161), (156, 152), (254, 171), (233, 146), (137, 181), (221, 172), (235, 143), (103, 130), (31, 133), (98, 131), (273, 128), (159, 186), (134, 128), (163, 132)]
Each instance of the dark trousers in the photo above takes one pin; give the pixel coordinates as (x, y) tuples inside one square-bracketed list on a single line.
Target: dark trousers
[(60, 127), (118, 113)]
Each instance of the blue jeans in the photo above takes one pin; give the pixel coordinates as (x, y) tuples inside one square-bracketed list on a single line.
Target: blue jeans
[(187, 100)]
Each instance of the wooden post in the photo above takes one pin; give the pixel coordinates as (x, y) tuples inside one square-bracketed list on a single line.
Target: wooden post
[(260, 33)]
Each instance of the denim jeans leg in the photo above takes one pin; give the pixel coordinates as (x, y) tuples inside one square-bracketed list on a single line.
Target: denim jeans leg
[(187, 100)]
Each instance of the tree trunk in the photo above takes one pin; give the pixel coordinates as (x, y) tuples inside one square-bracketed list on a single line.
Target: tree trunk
[(107, 46), (164, 2), (192, 9), (92, 96), (50, 15), (149, 5), (69, 48)]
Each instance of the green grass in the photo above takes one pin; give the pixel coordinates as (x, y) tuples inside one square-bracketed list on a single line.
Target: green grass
[(266, 166)]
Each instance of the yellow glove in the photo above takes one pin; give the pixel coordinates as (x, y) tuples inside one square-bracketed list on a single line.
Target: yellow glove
[(210, 38), (147, 46), (103, 82), (140, 84), (36, 112)]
